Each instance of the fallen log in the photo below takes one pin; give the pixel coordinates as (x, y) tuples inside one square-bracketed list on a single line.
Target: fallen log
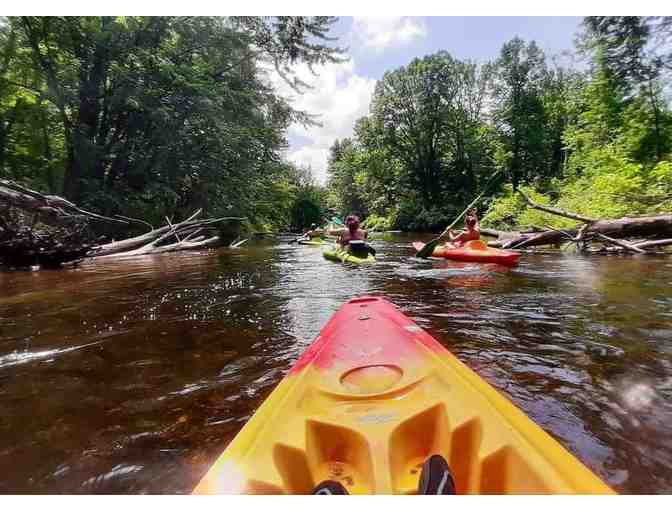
[(645, 226), (555, 210), (627, 227), (65, 237), (622, 244), (150, 242), (50, 209), (134, 242), (651, 244)]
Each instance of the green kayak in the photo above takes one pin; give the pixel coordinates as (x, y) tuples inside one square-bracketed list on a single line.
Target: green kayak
[(312, 242), (339, 255)]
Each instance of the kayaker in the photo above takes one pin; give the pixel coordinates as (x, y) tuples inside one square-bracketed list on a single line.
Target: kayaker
[(472, 231), (352, 232), (313, 232), (353, 239)]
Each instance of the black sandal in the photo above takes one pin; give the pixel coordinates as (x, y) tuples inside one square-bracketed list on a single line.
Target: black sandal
[(435, 477), (330, 488)]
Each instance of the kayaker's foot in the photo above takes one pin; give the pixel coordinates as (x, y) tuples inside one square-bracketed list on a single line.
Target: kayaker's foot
[(330, 488), (435, 477)]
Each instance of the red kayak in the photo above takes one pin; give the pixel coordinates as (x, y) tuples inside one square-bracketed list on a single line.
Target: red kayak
[(474, 251)]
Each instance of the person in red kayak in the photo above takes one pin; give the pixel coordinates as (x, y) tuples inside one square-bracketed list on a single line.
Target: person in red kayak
[(472, 231)]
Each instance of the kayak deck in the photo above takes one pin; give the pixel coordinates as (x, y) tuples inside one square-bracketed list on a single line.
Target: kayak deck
[(474, 251), (369, 401)]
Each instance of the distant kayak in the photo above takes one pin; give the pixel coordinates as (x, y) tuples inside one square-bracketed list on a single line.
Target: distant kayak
[(474, 251), (370, 401), (339, 255), (312, 242)]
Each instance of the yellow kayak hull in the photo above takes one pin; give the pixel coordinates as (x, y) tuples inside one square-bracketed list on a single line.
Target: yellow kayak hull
[(369, 401)]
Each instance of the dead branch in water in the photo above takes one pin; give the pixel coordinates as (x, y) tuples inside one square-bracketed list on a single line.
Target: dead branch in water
[(612, 232), (67, 237)]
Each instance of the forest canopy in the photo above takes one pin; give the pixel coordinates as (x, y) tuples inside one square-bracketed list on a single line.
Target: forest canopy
[(158, 116), (595, 139), (155, 117)]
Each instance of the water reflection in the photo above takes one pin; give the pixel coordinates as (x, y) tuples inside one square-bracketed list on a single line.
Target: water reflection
[(131, 376)]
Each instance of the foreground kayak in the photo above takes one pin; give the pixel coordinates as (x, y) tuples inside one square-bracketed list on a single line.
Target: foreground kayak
[(474, 251), (312, 242), (338, 255), (369, 401)]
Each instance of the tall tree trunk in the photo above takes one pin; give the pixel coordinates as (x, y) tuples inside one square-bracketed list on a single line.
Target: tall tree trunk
[(88, 160), (47, 156), (6, 129), (656, 116), (71, 176)]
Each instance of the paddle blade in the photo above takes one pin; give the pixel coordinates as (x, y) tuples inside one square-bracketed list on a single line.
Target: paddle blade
[(428, 249)]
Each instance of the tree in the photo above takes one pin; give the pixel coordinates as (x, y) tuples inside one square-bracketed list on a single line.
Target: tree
[(429, 117), (342, 170), (155, 116), (636, 50), (519, 113)]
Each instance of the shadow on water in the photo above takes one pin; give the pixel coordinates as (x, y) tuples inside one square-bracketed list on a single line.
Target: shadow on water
[(131, 377)]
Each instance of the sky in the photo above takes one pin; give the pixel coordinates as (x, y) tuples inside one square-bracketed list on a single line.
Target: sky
[(341, 93)]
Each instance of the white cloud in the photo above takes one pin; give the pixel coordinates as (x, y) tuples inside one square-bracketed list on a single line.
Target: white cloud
[(339, 96), (379, 33)]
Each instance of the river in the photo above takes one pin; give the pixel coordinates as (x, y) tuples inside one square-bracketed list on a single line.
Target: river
[(132, 376)]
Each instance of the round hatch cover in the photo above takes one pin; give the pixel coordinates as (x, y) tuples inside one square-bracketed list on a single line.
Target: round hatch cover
[(371, 378)]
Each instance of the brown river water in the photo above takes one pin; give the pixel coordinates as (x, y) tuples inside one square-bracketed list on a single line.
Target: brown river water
[(132, 376)]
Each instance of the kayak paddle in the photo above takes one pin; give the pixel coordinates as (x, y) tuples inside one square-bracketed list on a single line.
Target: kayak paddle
[(428, 249)]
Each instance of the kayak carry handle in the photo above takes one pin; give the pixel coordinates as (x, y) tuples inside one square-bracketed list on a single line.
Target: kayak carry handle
[(364, 299)]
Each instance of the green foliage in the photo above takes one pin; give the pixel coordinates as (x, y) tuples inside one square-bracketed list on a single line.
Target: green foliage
[(155, 116), (631, 45), (618, 140), (158, 116), (379, 223), (509, 211), (430, 143), (428, 117)]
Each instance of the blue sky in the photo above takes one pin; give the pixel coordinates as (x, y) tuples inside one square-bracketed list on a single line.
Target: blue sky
[(342, 92)]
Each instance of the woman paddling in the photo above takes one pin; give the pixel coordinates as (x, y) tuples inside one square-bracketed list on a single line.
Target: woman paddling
[(352, 232), (472, 231), (352, 238)]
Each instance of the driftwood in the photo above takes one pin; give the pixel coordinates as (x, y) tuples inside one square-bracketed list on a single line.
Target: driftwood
[(622, 244), (51, 209), (651, 244), (613, 232), (150, 243), (658, 226), (66, 238)]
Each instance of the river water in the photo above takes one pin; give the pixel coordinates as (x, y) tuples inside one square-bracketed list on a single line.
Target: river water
[(131, 377)]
